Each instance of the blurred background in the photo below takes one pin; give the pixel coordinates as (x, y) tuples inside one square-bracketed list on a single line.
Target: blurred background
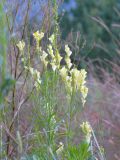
[(92, 30)]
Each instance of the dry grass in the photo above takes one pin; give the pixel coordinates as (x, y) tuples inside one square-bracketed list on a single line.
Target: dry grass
[(103, 109)]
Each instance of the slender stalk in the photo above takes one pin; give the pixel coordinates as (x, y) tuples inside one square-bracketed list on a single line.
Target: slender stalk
[(1, 144), (11, 128)]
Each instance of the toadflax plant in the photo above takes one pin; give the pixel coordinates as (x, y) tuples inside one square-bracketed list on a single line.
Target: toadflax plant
[(45, 84), (37, 118), (50, 134)]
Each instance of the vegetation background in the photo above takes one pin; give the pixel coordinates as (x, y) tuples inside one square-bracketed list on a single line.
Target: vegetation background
[(92, 30), (97, 21)]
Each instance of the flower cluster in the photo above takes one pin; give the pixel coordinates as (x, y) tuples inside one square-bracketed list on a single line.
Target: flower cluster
[(87, 130), (43, 58), (38, 37), (35, 75), (73, 78), (55, 58), (21, 45), (67, 57), (52, 38)]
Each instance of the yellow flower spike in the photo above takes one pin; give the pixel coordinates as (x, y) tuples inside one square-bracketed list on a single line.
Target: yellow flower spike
[(63, 73), (58, 59), (38, 35), (67, 57), (52, 38), (54, 67), (81, 78), (75, 73), (21, 45), (43, 56), (68, 62), (83, 74), (34, 73), (78, 81), (84, 91), (86, 128), (36, 76), (50, 51), (67, 50)]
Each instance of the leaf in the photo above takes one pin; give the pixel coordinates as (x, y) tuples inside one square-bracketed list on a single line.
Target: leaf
[(80, 152), (5, 88)]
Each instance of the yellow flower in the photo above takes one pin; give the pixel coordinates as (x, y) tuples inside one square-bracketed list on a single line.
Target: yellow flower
[(52, 38), (78, 77), (36, 76), (63, 73), (75, 74), (83, 74), (21, 45), (50, 51), (38, 35), (84, 91), (78, 82), (58, 58), (86, 128), (34, 73), (68, 62), (54, 67), (43, 58), (68, 51)]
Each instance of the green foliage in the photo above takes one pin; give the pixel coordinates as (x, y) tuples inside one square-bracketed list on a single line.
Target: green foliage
[(5, 88), (80, 152), (3, 42), (36, 99), (99, 40), (5, 82)]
